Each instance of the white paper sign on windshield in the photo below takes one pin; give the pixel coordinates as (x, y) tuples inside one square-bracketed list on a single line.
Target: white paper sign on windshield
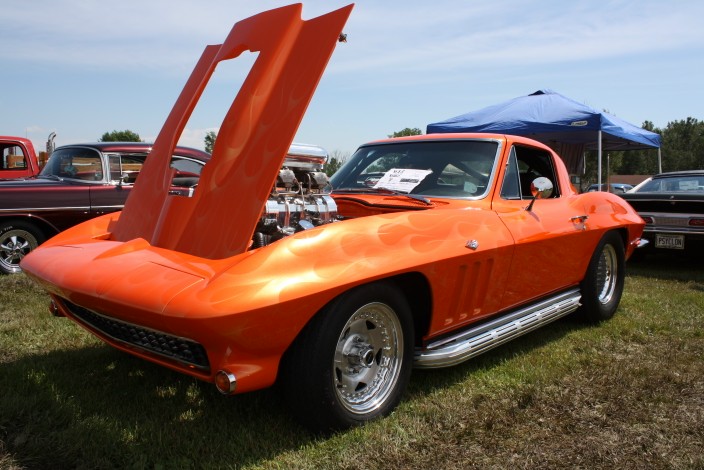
[(402, 179)]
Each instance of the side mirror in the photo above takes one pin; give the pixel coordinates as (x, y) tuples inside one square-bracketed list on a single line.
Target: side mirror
[(540, 188)]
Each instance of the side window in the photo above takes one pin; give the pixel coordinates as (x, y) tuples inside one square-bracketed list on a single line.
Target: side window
[(187, 171), (185, 165), (533, 163), (125, 167), (510, 189), (12, 158), (115, 167)]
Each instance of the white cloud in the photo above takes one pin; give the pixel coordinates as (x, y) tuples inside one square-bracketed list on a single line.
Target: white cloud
[(516, 33), (75, 63), (170, 35), (194, 137)]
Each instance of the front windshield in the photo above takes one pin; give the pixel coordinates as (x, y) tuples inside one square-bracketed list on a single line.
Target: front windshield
[(79, 163), (443, 168)]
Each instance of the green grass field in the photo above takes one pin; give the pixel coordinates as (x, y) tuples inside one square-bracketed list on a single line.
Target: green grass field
[(628, 393)]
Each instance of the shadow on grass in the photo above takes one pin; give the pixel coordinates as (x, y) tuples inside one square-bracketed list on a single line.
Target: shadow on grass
[(424, 382), (100, 408), (677, 266)]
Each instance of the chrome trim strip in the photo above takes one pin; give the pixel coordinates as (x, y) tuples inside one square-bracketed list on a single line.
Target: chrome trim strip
[(120, 206), (675, 216), (451, 351), (40, 209), (665, 229), (61, 208)]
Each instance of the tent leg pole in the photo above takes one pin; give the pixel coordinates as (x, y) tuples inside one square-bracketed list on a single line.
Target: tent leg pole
[(659, 160), (598, 166)]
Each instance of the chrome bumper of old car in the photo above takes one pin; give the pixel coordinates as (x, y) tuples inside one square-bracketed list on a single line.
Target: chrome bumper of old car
[(470, 343)]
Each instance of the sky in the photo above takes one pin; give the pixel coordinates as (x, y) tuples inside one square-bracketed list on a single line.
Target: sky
[(81, 68)]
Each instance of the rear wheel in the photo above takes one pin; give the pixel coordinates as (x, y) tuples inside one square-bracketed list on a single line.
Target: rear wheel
[(17, 239), (352, 363), (602, 286)]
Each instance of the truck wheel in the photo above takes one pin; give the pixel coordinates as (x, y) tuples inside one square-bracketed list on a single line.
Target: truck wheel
[(17, 239), (352, 363), (603, 284)]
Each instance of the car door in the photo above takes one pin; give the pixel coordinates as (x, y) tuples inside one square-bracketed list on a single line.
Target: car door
[(61, 193), (548, 238), (121, 171)]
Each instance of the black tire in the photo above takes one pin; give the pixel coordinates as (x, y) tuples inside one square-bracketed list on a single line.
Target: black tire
[(602, 286), (17, 239), (352, 362)]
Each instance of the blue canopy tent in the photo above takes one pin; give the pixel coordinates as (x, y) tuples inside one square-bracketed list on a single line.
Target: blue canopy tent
[(560, 122)]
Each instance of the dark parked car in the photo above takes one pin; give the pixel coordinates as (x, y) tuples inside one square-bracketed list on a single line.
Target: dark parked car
[(617, 188), (78, 182), (672, 205)]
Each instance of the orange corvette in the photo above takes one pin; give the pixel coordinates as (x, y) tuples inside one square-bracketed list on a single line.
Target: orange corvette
[(427, 251)]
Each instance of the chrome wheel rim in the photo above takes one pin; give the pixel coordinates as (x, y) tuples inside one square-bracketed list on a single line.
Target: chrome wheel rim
[(607, 274), (368, 358), (15, 245)]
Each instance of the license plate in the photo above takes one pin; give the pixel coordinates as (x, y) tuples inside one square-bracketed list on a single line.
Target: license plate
[(672, 242)]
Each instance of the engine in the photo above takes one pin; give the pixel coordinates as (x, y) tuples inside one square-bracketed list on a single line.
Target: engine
[(300, 198)]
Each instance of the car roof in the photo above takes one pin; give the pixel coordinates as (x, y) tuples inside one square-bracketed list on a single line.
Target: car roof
[(11, 138), (139, 147), (449, 136), (679, 173)]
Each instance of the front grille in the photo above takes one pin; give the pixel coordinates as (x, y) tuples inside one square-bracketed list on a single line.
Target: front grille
[(175, 348)]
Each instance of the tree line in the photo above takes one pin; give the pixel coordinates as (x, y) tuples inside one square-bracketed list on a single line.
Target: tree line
[(681, 148)]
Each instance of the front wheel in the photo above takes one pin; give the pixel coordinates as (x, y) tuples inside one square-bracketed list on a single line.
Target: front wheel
[(603, 284), (352, 363), (17, 239)]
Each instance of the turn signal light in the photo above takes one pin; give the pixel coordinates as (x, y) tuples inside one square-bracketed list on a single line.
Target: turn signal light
[(696, 222), (225, 382)]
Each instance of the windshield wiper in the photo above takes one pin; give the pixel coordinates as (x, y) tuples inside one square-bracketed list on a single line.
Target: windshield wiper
[(393, 192)]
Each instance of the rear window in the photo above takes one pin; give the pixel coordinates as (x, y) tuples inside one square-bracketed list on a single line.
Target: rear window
[(12, 158), (684, 184)]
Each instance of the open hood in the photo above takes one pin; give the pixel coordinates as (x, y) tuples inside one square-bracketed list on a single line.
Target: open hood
[(220, 218)]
